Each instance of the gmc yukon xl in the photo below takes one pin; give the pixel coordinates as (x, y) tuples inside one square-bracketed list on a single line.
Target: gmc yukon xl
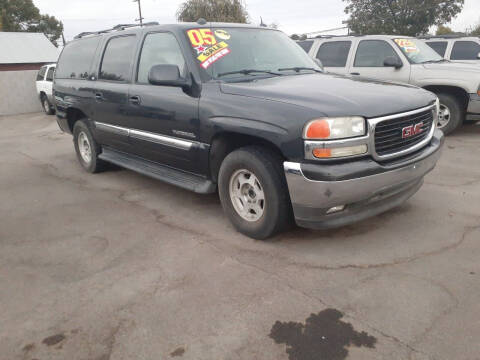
[(244, 111)]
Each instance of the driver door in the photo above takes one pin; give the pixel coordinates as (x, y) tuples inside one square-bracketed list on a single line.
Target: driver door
[(369, 61), (163, 119)]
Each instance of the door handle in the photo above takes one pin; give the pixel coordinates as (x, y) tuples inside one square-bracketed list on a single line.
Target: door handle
[(355, 73), (98, 97), (135, 100)]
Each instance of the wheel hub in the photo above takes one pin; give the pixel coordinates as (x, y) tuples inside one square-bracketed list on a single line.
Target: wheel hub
[(444, 116), (247, 196), (84, 147)]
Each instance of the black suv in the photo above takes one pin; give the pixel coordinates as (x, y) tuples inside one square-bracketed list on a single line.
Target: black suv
[(244, 110)]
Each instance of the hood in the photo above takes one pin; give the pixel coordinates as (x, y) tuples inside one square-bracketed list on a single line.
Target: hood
[(454, 68), (335, 95)]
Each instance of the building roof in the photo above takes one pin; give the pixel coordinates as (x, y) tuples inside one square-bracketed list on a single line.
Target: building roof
[(24, 47)]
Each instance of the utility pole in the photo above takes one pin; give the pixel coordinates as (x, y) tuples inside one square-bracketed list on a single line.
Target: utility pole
[(139, 12)]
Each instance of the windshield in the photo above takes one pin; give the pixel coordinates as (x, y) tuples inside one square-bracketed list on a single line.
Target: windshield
[(240, 52), (417, 51)]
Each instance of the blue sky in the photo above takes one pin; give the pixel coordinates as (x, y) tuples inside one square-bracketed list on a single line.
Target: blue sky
[(304, 16)]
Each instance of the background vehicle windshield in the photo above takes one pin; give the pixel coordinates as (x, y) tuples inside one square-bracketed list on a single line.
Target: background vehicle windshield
[(417, 51), (224, 50)]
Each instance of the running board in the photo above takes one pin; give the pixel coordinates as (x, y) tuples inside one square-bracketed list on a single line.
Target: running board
[(171, 176)]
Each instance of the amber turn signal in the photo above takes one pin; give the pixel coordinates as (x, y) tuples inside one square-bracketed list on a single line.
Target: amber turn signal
[(319, 129), (322, 153)]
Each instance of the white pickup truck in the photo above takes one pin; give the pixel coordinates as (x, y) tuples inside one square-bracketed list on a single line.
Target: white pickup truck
[(44, 86)]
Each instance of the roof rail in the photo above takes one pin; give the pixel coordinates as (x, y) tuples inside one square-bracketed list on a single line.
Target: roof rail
[(334, 36), (447, 36), (118, 27)]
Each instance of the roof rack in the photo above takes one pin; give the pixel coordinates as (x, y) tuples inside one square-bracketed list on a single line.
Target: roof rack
[(447, 36), (334, 36), (118, 27)]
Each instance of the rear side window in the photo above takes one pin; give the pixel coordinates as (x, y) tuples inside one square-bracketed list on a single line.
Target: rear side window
[(159, 49), (372, 53), (50, 73), (118, 58), (465, 50), (77, 58), (439, 46), (305, 45), (334, 54), (41, 73)]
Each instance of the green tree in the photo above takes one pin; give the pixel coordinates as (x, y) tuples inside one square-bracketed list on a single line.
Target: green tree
[(444, 30), (213, 10), (23, 15), (399, 17)]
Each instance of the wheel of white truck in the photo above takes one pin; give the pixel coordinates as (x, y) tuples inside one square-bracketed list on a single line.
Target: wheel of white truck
[(254, 193), (86, 148), (46, 105), (451, 113)]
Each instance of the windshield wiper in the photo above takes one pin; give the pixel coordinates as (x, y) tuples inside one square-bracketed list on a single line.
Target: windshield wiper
[(300, 68), (248, 72)]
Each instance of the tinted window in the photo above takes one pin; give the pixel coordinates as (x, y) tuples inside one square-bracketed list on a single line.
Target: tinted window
[(50, 73), (439, 46), (305, 45), (41, 73), (159, 49), (334, 54), (465, 50), (117, 59), (77, 58), (372, 53)]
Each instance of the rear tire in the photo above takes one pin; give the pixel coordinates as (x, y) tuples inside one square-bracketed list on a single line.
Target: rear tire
[(87, 148), (47, 107), (247, 176), (451, 113)]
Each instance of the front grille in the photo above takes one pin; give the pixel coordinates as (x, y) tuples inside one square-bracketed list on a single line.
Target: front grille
[(388, 133)]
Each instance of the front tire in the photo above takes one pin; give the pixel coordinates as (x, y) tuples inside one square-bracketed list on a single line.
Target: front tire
[(451, 113), (254, 193), (87, 148)]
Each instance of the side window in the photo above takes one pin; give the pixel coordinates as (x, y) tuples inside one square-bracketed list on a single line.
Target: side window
[(439, 46), (305, 45), (76, 59), (465, 50), (159, 49), (334, 54), (372, 53), (50, 73), (118, 58), (41, 73)]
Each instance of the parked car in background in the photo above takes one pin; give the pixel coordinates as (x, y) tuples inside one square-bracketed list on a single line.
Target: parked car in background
[(245, 111), (44, 86), (305, 44), (407, 60), (456, 48)]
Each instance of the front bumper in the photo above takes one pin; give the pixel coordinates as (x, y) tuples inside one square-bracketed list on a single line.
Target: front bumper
[(473, 110), (366, 188)]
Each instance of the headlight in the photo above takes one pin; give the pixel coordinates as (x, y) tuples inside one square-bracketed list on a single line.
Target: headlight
[(334, 128)]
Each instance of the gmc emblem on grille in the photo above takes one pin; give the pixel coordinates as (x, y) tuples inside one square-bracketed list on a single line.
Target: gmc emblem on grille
[(412, 130)]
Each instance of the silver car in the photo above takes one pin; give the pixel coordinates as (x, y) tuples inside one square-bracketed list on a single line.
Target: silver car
[(407, 60), (456, 48)]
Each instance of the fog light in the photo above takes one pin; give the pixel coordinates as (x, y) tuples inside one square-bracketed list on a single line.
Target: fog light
[(336, 209), (323, 153)]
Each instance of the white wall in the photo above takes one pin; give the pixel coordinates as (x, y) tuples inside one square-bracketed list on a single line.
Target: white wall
[(17, 92)]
